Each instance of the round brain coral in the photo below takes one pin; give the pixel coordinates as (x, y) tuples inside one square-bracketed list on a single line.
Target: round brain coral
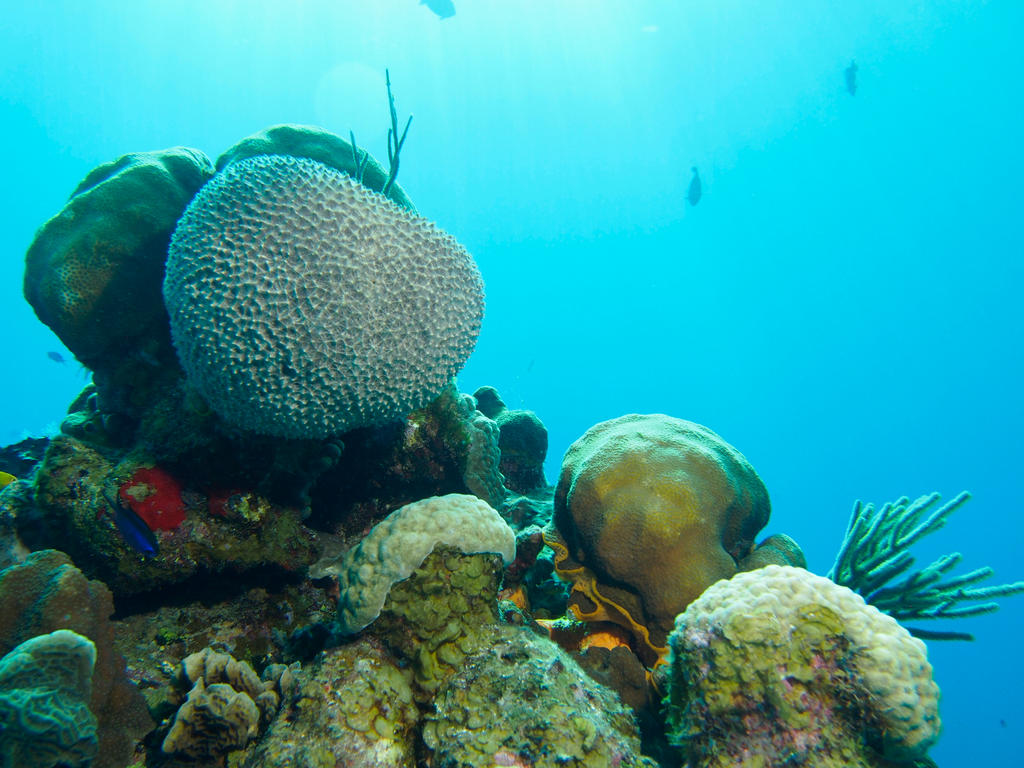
[(779, 666), (651, 510), (304, 305)]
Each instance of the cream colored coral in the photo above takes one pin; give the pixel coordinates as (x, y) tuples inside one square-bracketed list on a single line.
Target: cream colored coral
[(399, 544), (764, 605), (303, 305)]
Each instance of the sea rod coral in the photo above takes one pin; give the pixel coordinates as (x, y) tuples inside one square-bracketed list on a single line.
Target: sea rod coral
[(876, 551)]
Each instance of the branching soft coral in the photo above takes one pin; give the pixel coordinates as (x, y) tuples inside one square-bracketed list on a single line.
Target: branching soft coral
[(876, 552)]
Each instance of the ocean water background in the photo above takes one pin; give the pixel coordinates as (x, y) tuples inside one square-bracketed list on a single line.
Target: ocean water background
[(844, 305)]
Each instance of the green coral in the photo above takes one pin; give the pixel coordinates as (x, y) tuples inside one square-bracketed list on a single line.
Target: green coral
[(876, 552), (45, 685), (441, 614), (93, 271)]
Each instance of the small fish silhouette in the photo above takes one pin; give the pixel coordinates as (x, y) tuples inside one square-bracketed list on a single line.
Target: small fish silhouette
[(444, 9), (57, 357), (133, 528), (694, 192), (851, 78)]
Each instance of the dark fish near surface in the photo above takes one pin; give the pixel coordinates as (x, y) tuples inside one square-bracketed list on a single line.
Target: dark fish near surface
[(445, 9), (136, 533), (57, 357), (694, 192), (851, 78)]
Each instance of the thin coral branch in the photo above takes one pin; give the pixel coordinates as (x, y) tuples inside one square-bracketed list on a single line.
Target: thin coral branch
[(875, 553), (394, 142), (360, 165)]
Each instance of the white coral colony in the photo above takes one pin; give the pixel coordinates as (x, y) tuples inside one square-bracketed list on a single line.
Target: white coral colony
[(303, 305)]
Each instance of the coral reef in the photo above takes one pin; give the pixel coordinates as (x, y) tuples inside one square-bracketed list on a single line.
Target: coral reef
[(93, 271), (876, 551), (291, 328), (227, 704), (47, 593), (45, 685), (649, 511), (353, 706), (522, 701), (778, 666), (400, 543)]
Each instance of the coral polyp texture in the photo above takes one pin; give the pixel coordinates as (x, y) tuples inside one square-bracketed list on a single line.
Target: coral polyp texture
[(399, 544), (304, 305), (45, 685), (649, 511), (778, 666)]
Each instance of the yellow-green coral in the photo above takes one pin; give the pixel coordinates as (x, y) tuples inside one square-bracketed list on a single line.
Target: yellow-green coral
[(649, 511), (353, 707), (521, 701), (778, 664), (443, 613)]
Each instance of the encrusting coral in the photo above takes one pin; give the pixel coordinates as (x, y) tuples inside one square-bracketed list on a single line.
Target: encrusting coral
[(876, 551), (521, 701), (304, 305), (353, 706), (45, 685), (649, 511), (779, 666)]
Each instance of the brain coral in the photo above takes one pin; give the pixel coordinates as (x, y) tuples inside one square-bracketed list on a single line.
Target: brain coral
[(649, 511), (779, 666), (304, 305), (399, 544), (45, 684)]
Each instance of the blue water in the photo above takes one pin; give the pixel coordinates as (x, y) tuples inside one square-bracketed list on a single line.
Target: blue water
[(843, 306)]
